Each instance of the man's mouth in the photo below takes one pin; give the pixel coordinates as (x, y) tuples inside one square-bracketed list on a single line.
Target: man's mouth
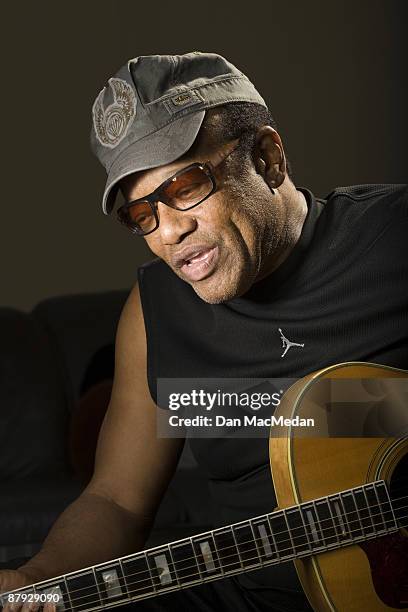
[(197, 263)]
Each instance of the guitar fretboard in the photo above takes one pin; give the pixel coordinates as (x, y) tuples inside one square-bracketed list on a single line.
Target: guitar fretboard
[(312, 527)]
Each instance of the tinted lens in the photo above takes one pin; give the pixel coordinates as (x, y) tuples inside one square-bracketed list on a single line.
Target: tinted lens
[(187, 188), (139, 217)]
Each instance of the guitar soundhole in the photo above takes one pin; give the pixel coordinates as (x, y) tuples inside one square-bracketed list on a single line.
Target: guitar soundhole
[(388, 555), (399, 491)]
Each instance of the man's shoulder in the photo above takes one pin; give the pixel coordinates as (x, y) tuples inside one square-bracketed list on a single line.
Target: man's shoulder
[(357, 216), (381, 199)]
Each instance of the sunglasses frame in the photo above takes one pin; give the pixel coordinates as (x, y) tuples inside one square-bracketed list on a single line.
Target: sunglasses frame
[(157, 195)]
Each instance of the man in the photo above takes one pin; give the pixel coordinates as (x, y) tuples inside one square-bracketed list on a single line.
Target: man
[(255, 279)]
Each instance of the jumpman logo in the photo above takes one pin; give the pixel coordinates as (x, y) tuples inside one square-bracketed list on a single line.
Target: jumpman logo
[(287, 344)]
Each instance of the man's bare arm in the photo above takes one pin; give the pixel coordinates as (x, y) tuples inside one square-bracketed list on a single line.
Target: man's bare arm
[(113, 516)]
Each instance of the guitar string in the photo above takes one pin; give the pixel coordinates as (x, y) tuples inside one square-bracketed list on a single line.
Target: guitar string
[(225, 548), (146, 571), (319, 522), (222, 566), (171, 588), (135, 593), (172, 565)]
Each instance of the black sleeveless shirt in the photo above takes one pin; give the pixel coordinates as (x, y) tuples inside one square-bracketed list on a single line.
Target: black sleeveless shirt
[(342, 293)]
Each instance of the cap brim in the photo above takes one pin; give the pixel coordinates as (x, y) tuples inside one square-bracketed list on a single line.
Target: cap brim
[(157, 149)]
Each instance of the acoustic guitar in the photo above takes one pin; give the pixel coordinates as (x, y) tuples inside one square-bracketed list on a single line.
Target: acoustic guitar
[(342, 515)]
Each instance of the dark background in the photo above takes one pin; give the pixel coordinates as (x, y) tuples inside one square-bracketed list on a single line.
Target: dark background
[(333, 73)]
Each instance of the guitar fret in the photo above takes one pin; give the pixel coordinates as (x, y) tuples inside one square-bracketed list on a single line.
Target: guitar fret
[(196, 559), (161, 567), (123, 577), (262, 531), (82, 589), (338, 519), (173, 565), (279, 531), (319, 526), (297, 531), (313, 530), (374, 509), (333, 520), (275, 545), (97, 586), (185, 558), (362, 511), (256, 542), (208, 561), (227, 549), (325, 519), (346, 515), (385, 505), (305, 529), (216, 552), (381, 515), (236, 546), (150, 572), (353, 516), (137, 575), (67, 592), (110, 581), (265, 538), (289, 532), (370, 516), (162, 571), (246, 543)]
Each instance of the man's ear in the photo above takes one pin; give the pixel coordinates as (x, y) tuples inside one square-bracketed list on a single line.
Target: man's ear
[(269, 156)]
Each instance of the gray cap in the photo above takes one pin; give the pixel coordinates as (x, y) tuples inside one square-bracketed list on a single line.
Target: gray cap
[(150, 112)]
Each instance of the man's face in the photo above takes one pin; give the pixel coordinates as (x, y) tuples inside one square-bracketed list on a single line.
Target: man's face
[(221, 246)]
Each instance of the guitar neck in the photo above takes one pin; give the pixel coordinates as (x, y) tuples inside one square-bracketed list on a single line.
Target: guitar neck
[(313, 527)]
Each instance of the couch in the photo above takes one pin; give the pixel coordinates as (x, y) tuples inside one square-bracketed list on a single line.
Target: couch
[(52, 360)]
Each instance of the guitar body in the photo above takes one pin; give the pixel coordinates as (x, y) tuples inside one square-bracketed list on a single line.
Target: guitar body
[(370, 576)]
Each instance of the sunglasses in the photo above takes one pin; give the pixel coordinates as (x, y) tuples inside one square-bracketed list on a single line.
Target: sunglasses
[(186, 189)]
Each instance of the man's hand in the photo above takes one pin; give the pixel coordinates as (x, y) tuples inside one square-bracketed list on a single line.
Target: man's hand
[(15, 579)]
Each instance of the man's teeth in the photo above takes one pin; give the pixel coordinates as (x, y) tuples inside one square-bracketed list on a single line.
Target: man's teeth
[(199, 257)]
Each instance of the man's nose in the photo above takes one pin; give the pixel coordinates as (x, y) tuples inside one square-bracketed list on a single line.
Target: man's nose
[(175, 224)]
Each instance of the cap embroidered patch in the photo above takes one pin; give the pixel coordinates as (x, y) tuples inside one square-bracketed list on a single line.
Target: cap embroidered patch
[(181, 99), (112, 123)]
